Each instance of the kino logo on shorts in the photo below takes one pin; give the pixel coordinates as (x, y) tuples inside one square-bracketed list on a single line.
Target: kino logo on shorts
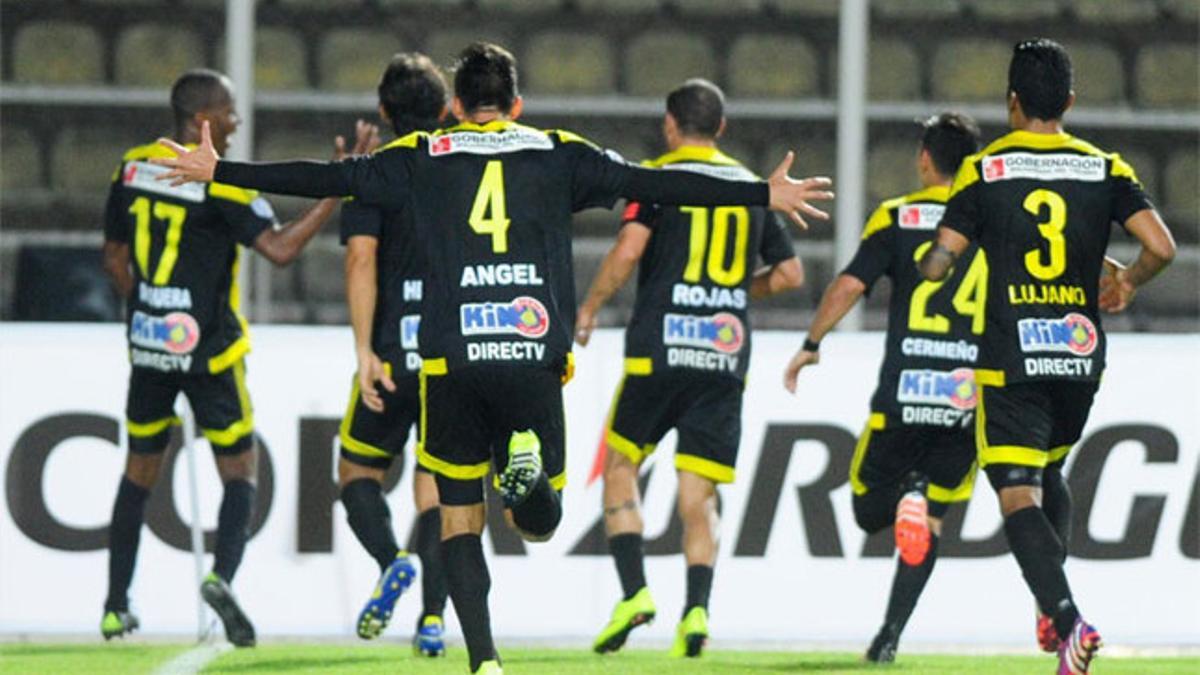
[(1072, 334), (176, 333), (720, 332), (955, 388), (523, 316)]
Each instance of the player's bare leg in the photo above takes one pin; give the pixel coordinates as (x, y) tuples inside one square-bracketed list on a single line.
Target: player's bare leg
[(124, 536), (623, 525), (698, 511), (239, 474), (430, 627), (468, 579)]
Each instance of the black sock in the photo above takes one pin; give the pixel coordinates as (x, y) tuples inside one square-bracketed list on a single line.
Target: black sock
[(124, 533), (469, 583), (371, 520), (627, 553), (433, 575), (699, 584), (906, 588), (541, 511), (233, 527), (1040, 554), (1056, 503)]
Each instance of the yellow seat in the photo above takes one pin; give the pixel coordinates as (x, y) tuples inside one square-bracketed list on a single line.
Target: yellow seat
[(570, 63), (1099, 73), (58, 52), (21, 161), (891, 170), (85, 158), (1006, 10), (279, 59), (1167, 75), (754, 67), (443, 46), (894, 71), (351, 59), (971, 70), (824, 8), (1181, 200), (918, 9), (657, 61), (1116, 11), (719, 7), (151, 55)]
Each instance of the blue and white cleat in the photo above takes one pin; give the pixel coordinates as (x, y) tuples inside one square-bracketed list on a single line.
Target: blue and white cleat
[(428, 640), (393, 582)]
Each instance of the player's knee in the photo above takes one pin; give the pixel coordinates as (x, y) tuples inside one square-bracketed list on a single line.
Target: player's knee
[(142, 469), (241, 465), (617, 465), (425, 491), (1018, 497), (348, 472)]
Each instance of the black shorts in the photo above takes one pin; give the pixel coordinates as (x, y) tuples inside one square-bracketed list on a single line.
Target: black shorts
[(372, 439), (1031, 424), (220, 402), (469, 414), (705, 410), (884, 456)]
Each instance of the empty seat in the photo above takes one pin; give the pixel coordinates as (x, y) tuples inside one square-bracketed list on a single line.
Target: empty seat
[(1099, 74), (891, 170), (1181, 198), (971, 70), (21, 161), (156, 54), (618, 6), (827, 8), (279, 60), (656, 62), (443, 47), (719, 7), (85, 158), (918, 9), (895, 71), (322, 4), (1167, 75), (772, 66), (353, 59), (521, 5), (1116, 11), (570, 63), (58, 52), (1007, 10)]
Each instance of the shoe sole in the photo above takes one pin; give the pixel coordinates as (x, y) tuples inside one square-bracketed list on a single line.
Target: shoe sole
[(430, 651), (238, 629), (618, 639), (695, 644)]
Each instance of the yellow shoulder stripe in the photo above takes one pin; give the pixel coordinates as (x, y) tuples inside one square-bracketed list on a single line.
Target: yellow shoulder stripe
[(968, 174), (571, 137), (881, 219), (1122, 169), (406, 141), (150, 151), (233, 194)]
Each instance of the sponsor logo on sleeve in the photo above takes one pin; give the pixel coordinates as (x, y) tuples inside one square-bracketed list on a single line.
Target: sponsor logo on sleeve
[(1073, 334), (955, 388), (175, 333), (721, 332), (523, 316), (1035, 166), (144, 176), (921, 216)]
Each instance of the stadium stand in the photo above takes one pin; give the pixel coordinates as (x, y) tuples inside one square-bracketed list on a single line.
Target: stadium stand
[(648, 73), (20, 160), (77, 56), (349, 58), (153, 55), (570, 63), (751, 75), (1167, 75)]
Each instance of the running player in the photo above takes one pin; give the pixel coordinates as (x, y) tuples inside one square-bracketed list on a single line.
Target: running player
[(492, 201), (1040, 202), (916, 455), (383, 290), (687, 349), (186, 333)]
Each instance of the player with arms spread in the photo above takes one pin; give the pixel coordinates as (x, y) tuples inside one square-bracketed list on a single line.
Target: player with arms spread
[(186, 333), (1040, 203), (917, 453), (492, 201), (384, 271), (687, 349)]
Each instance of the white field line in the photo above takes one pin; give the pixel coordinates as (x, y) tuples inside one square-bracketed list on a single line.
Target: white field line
[(193, 660)]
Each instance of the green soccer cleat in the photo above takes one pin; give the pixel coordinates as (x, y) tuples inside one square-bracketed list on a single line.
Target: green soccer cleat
[(691, 635), (489, 668), (524, 467), (117, 624), (627, 615), (219, 596)]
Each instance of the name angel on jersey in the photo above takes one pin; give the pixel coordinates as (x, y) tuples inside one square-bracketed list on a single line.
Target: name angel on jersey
[(937, 397), (523, 316), (1052, 166), (164, 297), (1043, 294), (501, 274), (176, 334), (703, 342), (686, 295)]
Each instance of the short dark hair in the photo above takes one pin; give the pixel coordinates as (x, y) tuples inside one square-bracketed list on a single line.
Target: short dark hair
[(485, 76), (196, 91), (948, 138), (698, 107), (413, 92), (1040, 76)]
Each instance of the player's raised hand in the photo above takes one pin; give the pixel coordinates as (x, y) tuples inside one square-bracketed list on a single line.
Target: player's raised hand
[(189, 166), (792, 196), (585, 324), (1116, 288), (370, 371), (799, 361), (366, 139)]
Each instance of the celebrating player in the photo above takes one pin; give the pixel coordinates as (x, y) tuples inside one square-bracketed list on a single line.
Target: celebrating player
[(1040, 202), (384, 269), (186, 333), (686, 353), (917, 453), (492, 201)]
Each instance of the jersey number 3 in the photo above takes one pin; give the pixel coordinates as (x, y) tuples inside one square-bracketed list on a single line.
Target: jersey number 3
[(1052, 231), (969, 299), (489, 214), (173, 215)]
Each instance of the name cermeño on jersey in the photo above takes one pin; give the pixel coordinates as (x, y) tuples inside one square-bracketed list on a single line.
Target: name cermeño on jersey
[(164, 297), (953, 350), (920, 216), (1073, 334), (501, 274), (687, 295), (523, 316), (513, 139), (1037, 166), (1046, 294)]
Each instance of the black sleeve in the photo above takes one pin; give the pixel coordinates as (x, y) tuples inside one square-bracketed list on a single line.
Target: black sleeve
[(874, 256), (247, 218), (599, 179), (116, 226), (776, 241), (379, 179), (962, 211), (1129, 196), (359, 219), (640, 212)]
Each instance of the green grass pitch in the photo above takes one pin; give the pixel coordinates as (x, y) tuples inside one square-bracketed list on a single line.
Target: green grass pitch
[(133, 657)]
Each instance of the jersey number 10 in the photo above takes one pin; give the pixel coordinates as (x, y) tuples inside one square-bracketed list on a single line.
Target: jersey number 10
[(173, 215), (721, 218)]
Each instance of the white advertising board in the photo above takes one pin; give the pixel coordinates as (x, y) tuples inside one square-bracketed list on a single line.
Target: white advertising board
[(792, 564)]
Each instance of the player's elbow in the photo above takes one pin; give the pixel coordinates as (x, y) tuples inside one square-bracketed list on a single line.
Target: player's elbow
[(1163, 248), (276, 249), (790, 274)]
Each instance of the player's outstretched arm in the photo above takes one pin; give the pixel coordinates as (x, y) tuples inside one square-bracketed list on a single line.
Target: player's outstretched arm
[(1119, 284), (940, 257), (117, 267), (839, 298), (782, 276), (614, 272)]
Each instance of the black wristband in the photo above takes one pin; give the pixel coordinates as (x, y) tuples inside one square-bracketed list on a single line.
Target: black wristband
[(810, 346)]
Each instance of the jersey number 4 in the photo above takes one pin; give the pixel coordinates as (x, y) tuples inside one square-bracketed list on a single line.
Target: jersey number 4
[(969, 299), (173, 215), (489, 214), (722, 219)]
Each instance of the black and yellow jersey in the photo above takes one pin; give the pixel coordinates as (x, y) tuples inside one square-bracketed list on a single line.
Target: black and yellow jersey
[(400, 270), (934, 328), (183, 311), (492, 205), (694, 278), (1041, 207)]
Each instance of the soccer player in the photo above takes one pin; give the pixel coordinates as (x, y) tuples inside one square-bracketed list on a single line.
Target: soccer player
[(186, 333), (1040, 202), (384, 270), (916, 455), (687, 349), (492, 201)]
